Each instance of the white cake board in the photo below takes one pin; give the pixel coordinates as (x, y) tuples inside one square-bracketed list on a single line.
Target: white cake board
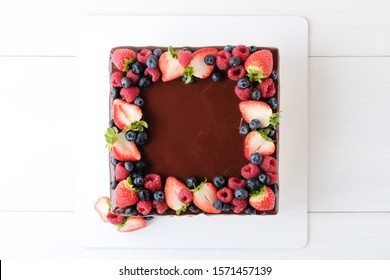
[(98, 34)]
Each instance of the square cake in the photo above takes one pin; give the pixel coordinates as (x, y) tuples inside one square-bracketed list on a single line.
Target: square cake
[(193, 130)]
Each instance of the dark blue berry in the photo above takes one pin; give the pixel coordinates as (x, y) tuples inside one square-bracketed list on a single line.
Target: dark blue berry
[(151, 62), (209, 59), (129, 166), (144, 81), (142, 137), (139, 101), (148, 218), (187, 49), (234, 61), (254, 124), (131, 135), (263, 179), (158, 196), (250, 210), (252, 49), (140, 165), (131, 211), (244, 129), (193, 208), (271, 131), (111, 123), (255, 94), (191, 182), (256, 158), (241, 193), (219, 181), (138, 181), (229, 48), (274, 75), (135, 175), (113, 184), (272, 103), (243, 83), (275, 188), (137, 68), (226, 207), (252, 184), (126, 82), (157, 52), (144, 194), (114, 161), (217, 205), (216, 76), (115, 92), (184, 79)]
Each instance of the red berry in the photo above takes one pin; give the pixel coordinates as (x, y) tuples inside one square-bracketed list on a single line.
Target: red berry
[(269, 164), (238, 205), (134, 78), (129, 94), (185, 196), (222, 61), (184, 58), (144, 207), (237, 72), (120, 56), (116, 79), (225, 195), (241, 51), (152, 183), (243, 94), (154, 73), (235, 183), (273, 177), (143, 55), (114, 219), (250, 171), (267, 88), (121, 172), (160, 207), (125, 195)]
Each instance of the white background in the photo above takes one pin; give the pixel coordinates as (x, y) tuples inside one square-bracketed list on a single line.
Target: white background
[(349, 91)]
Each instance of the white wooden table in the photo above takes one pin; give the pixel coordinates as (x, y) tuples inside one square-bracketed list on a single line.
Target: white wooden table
[(349, 92)]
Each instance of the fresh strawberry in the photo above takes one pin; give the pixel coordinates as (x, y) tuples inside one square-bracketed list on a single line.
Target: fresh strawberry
[(121, 173), (171, 191), (200, 68), (144, 207), (241, 51), (131, 224), (235, 73), (185, 196), (204, 196), (184, 58), (102, 206), (269, 164), (238, 205), (152, 182), (143, 55), (114, 219), (259, 65), (222, 61), (236, 183), (125, 114), (267, 88), (125, 195), (130, 93), (116, 79), (120, 148), (253, 109), (256, 143), (160, 206), (262, 200), (134, 78), (243, 94), (169, 65), (250, 171), (154, 73), (122, 58)]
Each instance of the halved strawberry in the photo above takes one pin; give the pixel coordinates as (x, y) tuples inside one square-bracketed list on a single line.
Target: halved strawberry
[(256, 143), (262, 200), (200, 68), (125, 195), (169, 65), (122, 58), (172, 188), (259, 65), (125, 113), (120, 148), (260, 110), (204, 196), (102, 206), (131, 224)]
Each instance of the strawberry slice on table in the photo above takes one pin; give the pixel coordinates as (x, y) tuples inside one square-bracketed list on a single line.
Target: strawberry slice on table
[(131, 224), (171, 191), (122, 58), (125, 195), (255, 142), (119, 147), (204, 196), (199, 67), (169, 65), (260, 110), (125, 113), (263, 199), (259, 65), (102, 206)]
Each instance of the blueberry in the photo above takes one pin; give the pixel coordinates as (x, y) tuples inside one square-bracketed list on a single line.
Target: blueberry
[(219, 181), (250, 210), (187, 49), (243, 83), (111, 123), (255, 94), (140, 165), (256, 158), (148, 218), (216, 76), (126, 82), (137, 68), (129, 166), (184, 79), (113, 184), (254, 124), (217, 205), (115, 92), (139, 101), (241, 193), (252, 184), (193, 208), (114, 161), (158, 196), (229, 48), (131, 135), (263, 179), (209, 59), (252, 49), (272, 103), (271, 131), (157, 52), (144, 194), (142, 137), (226, 207), (244, 129), (274, 75), (151, 62), (191, 182), (131, 211), (275, 188), (144, 81), (138, 181), (135, 175), (234, 61)]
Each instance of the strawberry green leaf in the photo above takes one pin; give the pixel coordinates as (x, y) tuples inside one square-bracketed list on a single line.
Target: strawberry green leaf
[(128, 62), (182, 209), (188, 72), (198, 187), (255, 76), (275, 119), (137, 126), (264, 133), (111, 136), (173, 53)]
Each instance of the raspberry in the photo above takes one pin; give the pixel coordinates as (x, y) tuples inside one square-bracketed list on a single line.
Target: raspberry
[(184, 58), (250, 171), (267, 88), (143, 55), (273, 177), (243, 94), (144, 207), (114, 219), (235, 73), (121, 172), (129, 94), (185, 196), (154, 73), (223, 59), (269, 164), (134, 78), (225, 195), (160, 207), (238, 205), (241, 51), (152, 182), (116, 79), (235, 183)]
